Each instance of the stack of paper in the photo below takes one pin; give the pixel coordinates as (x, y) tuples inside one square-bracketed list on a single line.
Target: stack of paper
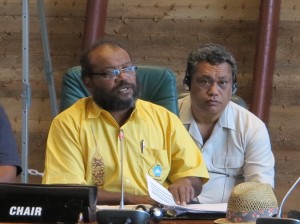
[(160, 194)]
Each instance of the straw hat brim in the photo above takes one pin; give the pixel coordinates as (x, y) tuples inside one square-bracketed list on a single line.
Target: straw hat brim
[(224, 220)]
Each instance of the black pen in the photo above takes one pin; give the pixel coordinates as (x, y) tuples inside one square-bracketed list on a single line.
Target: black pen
[(142, 146)]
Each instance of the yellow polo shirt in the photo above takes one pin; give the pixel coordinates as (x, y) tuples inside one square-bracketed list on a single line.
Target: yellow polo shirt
[(84, 147)]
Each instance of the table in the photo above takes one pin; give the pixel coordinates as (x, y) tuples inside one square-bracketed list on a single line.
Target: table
[(186, 221), (191, 218), (165, 222)]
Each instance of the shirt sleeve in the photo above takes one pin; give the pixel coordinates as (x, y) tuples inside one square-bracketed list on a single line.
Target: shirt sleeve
[(259, 159), (187, 159), (64, 160)]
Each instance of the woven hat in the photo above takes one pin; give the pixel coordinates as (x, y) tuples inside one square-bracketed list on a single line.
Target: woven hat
[(249, 201)]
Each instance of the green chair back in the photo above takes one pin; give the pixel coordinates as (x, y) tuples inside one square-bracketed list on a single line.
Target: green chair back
[(158, 85)]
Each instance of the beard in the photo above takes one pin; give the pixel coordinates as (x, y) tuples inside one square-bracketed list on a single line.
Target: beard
[(110, 100)]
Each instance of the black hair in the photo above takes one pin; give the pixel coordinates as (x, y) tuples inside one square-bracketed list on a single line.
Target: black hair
[(214, 54)]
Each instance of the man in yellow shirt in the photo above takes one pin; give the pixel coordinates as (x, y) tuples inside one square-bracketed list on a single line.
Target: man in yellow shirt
[(86, 141)]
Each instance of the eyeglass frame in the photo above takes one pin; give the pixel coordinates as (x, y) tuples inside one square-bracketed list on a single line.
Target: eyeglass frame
[(115, 73)]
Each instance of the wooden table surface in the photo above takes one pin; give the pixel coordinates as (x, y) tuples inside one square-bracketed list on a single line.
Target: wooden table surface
[(164, 222), (186, 221)]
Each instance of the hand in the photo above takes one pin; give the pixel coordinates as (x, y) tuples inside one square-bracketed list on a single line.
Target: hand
[(185, 189)]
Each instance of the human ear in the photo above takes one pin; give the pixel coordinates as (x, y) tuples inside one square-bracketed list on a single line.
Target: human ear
[(88, 83)]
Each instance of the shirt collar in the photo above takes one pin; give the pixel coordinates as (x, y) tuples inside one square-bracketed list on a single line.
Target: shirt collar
[(138, 111), (94, 110), (226, 119)]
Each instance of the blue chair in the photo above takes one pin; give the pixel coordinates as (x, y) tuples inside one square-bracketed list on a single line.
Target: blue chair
[(158, 86)]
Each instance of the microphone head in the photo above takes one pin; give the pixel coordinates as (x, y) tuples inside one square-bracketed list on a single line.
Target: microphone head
[(294, 214), (292, 217), (276, 220), (156, 214)]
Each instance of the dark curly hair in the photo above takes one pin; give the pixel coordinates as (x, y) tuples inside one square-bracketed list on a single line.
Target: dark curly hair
[(214, 54)]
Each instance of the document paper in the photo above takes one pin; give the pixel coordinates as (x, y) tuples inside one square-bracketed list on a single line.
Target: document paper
[(160, 194)]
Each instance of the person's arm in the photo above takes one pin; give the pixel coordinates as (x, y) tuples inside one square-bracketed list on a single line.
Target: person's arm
[(185, 189), (64, 162), (188, 171), (114, 198), (259, 159), (10, 164), (8, 174)]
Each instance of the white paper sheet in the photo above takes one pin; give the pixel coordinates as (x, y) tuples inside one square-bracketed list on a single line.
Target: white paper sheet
[(160, 194)]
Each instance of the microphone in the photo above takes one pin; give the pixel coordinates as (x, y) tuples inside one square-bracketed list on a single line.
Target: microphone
[(278, 219), (294, 214), (122, 215)]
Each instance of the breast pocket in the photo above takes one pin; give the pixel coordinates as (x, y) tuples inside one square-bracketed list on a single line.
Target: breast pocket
[(155, 163)]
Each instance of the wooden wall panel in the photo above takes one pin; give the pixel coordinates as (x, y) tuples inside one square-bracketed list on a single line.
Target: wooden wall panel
[(157, 32)]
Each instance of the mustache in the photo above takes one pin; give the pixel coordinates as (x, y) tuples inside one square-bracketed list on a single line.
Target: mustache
[(124, 84)]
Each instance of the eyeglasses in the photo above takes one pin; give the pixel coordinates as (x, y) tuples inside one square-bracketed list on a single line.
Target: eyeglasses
[(206, 83), (115, 73)]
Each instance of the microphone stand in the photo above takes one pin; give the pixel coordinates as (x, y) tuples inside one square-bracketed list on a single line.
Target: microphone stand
[(121, 138), (121, 215), (278, 219)]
